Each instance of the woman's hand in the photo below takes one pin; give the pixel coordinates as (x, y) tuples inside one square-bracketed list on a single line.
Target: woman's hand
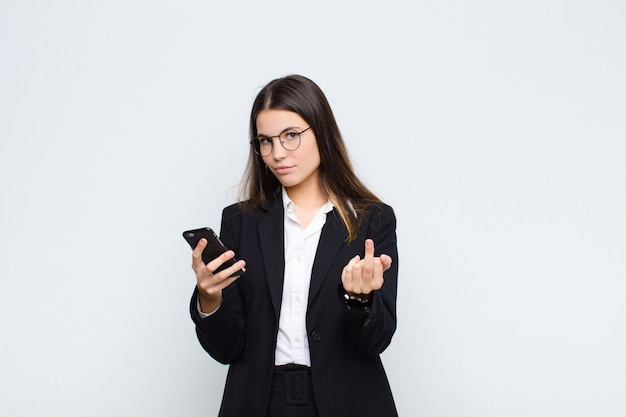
[(210, 285), (362, 276)]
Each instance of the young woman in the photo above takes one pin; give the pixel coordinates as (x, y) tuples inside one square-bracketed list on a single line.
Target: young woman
[(302, 329)]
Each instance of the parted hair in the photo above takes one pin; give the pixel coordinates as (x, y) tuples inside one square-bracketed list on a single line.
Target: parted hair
[(302, 96)]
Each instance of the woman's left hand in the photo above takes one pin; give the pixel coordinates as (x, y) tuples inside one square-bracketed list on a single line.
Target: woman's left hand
[(362, 276)]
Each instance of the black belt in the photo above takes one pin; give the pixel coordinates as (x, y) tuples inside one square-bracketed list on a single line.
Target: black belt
[(293, 383)]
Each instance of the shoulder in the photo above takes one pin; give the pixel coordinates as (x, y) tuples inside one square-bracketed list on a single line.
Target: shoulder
[(233, 209), (379, 206), (379, 215), (249, 208), (379, 209)]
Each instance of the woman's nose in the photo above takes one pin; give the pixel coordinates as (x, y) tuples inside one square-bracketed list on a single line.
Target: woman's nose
[(278, 152)]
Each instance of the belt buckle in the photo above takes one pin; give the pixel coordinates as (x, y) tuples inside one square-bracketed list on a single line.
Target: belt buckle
[(296, 388)]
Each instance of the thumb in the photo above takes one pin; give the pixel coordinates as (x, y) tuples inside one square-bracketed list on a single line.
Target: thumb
[(386, 261)]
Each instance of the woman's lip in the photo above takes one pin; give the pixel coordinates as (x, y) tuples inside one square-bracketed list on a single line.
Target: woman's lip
[(282, 169)]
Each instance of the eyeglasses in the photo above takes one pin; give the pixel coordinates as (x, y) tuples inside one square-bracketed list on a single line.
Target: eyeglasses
[(288, 138)]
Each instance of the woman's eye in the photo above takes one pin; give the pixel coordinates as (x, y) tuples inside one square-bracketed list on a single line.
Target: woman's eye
[(291, 135), (264, 141)]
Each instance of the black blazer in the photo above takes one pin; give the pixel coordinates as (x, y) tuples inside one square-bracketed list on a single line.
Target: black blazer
[(347, 373)]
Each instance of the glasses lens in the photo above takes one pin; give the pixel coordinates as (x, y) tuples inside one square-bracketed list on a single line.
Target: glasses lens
[(290, 140), (262, 146)]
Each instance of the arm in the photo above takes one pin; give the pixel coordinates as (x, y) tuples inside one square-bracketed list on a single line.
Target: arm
[(374, 278), (220, 333)]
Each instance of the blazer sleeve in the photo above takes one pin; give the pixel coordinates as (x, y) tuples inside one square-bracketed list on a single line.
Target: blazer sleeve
[(221, 334), (371, 330)]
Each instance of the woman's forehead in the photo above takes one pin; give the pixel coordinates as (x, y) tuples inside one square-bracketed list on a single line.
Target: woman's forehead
[(273, 121)]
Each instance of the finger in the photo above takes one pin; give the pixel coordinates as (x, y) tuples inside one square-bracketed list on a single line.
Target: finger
[(368, 260), (386, 261), (225, 283), (376, 282), (214, 286), (369, 248), (217, 262), (233, 269), (347, 274), (215, 281), (196, 255)]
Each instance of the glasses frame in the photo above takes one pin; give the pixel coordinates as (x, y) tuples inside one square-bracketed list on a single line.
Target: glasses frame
[(256, 144)]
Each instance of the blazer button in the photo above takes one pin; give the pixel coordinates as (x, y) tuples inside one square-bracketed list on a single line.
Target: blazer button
[(315, 335)]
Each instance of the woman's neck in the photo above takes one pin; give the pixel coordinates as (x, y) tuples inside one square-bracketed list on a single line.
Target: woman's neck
[(307, 200), (311, 196)]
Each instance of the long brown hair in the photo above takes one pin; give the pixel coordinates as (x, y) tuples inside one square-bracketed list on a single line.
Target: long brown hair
[(302, 96)]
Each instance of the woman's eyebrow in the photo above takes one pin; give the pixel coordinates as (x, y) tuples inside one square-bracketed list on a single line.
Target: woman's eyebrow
[(284, 130)]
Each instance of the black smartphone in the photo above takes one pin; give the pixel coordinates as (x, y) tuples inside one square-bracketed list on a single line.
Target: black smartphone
[(213, 249)]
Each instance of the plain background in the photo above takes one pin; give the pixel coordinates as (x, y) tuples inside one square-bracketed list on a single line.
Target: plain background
[(495, 129)]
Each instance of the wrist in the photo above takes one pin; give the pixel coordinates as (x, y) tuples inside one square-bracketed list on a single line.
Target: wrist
[(208, 302), (362, 298), (353, 300)]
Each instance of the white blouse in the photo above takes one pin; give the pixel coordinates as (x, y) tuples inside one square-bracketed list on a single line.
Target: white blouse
[(292, 343)]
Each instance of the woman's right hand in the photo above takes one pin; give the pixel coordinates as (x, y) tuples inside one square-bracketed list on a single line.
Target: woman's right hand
[(210, 285)]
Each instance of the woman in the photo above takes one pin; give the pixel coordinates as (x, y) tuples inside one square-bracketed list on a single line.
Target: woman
[(302, 329)]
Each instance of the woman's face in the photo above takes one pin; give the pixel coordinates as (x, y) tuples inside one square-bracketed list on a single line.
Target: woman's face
[(297, 168)]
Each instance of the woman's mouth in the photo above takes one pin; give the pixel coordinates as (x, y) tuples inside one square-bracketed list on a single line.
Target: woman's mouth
[(282, 169)]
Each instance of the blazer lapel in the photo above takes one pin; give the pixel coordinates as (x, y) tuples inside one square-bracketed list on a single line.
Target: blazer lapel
[(271, 235), (334, 235)]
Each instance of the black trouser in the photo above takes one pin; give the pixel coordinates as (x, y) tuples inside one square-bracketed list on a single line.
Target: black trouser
[(292, 392)]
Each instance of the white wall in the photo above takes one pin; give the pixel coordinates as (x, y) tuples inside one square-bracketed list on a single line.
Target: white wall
[(496, 130)]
